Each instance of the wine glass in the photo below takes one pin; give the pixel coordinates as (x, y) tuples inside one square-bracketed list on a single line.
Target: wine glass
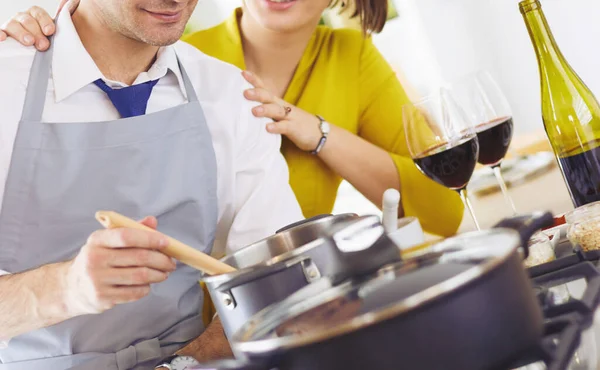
[(490, 114), (442, 143)]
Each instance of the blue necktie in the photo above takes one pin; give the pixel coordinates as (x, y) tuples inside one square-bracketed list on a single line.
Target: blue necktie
[(130, 101)]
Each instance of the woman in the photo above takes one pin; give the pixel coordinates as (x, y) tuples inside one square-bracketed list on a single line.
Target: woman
[(301, 70)]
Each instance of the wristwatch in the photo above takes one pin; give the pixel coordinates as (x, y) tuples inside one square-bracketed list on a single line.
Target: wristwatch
[(177, 363), (325, 128)]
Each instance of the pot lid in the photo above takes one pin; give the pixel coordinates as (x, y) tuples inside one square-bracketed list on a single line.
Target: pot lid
[(309, 317), (348, 233)]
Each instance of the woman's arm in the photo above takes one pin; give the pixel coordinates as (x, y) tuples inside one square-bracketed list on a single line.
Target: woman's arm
[(367, 167)]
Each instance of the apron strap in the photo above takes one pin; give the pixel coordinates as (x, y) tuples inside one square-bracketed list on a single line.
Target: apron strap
[(35, 97), (139, 353), (189, 87)]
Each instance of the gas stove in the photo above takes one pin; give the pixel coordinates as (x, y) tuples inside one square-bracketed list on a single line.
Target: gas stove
[(568, 290)]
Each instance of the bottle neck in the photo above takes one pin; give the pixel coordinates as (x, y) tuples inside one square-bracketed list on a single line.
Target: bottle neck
[(543, 41)]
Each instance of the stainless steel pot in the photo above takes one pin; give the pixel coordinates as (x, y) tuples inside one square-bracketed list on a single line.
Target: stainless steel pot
[(356, 246), (286, 240)]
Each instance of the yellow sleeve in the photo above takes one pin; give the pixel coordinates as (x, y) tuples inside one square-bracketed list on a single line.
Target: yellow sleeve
[(439, 209)]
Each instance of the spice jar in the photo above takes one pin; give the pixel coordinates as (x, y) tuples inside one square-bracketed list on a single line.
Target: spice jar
[(584, 226), (540, 250)]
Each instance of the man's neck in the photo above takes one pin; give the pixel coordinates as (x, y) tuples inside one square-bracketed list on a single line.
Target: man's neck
[(273, 56), (118, 57)]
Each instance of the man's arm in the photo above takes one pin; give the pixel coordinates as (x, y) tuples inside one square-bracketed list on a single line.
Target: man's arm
[(114, 267), (32, 300), (212, 345)]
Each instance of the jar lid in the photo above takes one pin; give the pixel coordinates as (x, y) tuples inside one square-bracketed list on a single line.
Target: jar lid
[(311, 317), (585, 212)]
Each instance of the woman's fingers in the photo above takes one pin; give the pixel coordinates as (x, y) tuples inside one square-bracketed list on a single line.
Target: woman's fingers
[(280, 128), (46, 23), (260, 95), (25, 29), (274, 111), (253, 79)]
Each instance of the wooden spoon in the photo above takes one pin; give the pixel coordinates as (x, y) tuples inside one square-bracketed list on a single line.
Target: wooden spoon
[(175, 249)]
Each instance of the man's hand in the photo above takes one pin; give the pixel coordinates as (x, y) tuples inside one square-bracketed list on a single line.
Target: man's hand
[(212, 345), (115, 266)]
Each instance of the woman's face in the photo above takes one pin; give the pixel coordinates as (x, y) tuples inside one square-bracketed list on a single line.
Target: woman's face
[(285, 15)]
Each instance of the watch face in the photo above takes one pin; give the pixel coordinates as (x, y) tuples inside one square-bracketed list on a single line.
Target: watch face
[(183, 362), (325, 127)]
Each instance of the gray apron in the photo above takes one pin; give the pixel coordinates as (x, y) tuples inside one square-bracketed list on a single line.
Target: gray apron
[(160, 164)]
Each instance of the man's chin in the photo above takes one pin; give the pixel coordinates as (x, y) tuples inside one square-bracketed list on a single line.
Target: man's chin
[(161, 36), (162, 40)]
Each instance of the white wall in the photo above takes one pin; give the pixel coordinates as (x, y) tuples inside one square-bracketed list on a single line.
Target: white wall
[(466, 35)]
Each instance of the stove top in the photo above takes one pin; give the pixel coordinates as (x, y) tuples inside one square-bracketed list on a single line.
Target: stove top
[(568, 290)]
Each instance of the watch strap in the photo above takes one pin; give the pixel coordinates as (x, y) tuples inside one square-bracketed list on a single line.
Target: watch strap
[(323, 139)]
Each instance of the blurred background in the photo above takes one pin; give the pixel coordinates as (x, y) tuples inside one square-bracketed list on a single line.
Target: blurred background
[(434, 42)]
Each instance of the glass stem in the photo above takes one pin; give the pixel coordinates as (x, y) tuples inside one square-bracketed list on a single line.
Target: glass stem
[(498, 173), (465, 198)]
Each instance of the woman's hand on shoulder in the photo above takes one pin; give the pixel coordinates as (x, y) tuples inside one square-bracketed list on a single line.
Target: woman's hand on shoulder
[(34, 26), (301, 127)]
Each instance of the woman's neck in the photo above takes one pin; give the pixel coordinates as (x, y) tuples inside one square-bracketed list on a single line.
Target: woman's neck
[(273, 56), (118, 57)]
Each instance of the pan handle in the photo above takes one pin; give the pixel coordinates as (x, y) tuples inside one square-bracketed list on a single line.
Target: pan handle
[(527, 225), (259, 272), (302, 222)]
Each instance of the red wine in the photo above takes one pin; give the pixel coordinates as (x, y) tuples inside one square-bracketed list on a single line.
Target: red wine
[(582, 175), (451, 167), (494, 139)]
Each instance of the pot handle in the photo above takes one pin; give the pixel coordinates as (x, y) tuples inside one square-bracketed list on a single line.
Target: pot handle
[(527, 225), (360, 248), (259, 272), (302, 222)]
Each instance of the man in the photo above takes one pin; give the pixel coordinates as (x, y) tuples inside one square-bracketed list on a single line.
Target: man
[(179, 143)]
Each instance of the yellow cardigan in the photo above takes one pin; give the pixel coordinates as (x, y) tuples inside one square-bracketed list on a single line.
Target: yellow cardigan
[(343, 78)]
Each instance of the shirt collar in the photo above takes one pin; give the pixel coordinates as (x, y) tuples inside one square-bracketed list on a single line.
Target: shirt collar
[(73, 68)]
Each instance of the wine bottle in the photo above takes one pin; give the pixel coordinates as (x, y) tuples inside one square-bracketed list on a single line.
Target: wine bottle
[(570, 111)]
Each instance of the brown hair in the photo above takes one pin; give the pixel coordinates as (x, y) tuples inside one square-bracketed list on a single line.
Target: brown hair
[(372, 13)]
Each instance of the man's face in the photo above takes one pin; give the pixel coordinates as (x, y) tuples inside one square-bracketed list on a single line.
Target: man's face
[(154, 22)]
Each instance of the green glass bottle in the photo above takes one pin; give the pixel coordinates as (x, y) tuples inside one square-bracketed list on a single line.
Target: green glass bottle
[(570, 111)]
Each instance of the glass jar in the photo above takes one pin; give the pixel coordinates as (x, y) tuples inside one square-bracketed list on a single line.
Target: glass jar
[(584, 226), (540, 250)]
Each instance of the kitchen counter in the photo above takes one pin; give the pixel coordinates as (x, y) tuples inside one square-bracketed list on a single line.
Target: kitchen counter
[(547, 192)]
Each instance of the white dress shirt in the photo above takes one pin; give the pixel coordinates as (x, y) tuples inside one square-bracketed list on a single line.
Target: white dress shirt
[(254, 196)]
